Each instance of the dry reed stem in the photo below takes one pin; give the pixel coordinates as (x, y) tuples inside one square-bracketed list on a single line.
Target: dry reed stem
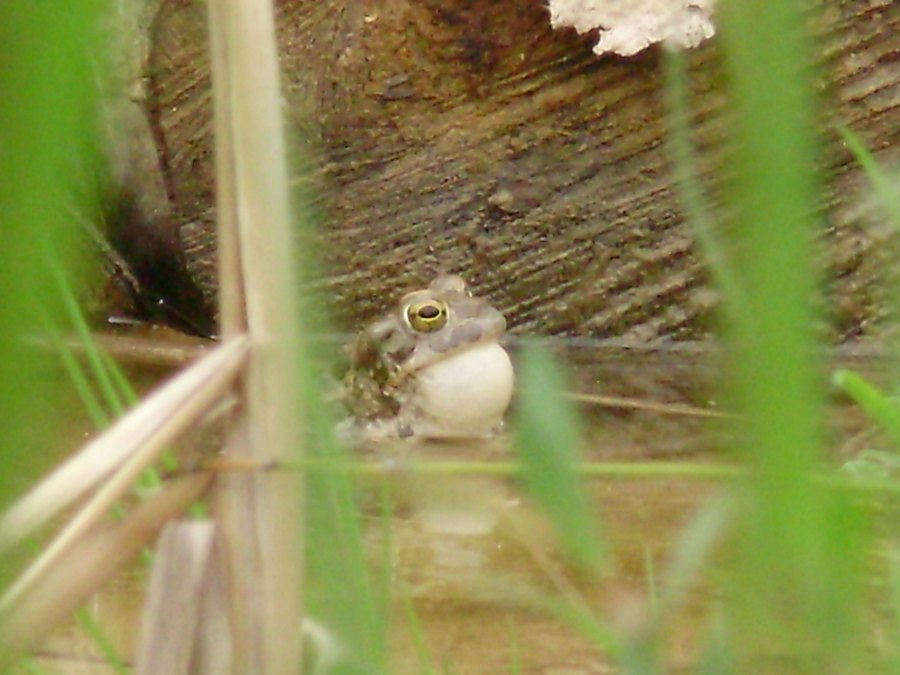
[(95, 559), (260, 513), (138, 350), (231, 297), (142, 433)]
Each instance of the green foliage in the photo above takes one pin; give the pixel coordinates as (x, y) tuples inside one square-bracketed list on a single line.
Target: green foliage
[(341, 593), (50, 59)]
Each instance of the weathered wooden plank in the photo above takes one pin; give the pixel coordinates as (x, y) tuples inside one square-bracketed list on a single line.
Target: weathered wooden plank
[(468, 137)]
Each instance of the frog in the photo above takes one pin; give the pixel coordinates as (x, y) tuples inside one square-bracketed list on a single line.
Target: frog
[(432, 368)]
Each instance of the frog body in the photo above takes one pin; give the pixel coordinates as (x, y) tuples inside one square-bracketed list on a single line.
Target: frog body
[(432, 368)]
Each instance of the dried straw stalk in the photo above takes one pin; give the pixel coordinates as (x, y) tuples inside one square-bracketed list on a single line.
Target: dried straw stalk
[(137, 438), (260, 513), (94, 560), (170, 418)]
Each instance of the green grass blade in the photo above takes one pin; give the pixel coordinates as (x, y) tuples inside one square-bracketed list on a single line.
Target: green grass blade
[(30, 666), (340, 592), (888, 194), (717, 657), (881, 408), (92, 627), (426, 660), (547, 437), (690, 557), (893, 565), (121, 383), (79, 379), (651, 583), (96, 363), (786, 562), (693, 551), (713, 246), (515, 648)]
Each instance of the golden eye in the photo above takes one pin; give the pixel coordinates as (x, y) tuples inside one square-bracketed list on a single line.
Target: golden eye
[(428, 316)]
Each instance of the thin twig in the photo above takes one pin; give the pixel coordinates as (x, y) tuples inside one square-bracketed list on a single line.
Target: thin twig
[(679, 409)]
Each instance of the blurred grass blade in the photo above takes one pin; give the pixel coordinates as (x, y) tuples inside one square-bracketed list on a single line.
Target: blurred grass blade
[(567, 605), (93, 561), (420, 641), (787, 589), (842, 581), (96, 364), (50, 55), (515, 650), (693, 551), (340, 592), (113, 659), (713, 246), (717, 657), (142, 433), (80, 381), (881, 408), (893, 565), (687, 561), (547, 436), (888, 194)]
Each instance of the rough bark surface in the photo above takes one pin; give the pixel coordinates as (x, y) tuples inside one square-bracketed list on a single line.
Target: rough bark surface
[(466, 136)]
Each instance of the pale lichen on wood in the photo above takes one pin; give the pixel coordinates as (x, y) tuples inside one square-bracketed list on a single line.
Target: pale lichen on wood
[(627, 27)]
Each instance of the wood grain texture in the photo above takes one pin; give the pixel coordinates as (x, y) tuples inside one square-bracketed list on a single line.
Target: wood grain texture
[(465, 136)]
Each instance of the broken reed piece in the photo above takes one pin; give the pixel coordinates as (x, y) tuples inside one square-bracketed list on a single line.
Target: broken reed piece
[(188, 573), (137, 438)]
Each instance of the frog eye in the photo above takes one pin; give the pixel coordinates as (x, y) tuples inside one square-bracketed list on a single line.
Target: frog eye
[(427, 316)]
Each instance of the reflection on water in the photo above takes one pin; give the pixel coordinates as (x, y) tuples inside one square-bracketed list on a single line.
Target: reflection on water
[(470, 554)]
